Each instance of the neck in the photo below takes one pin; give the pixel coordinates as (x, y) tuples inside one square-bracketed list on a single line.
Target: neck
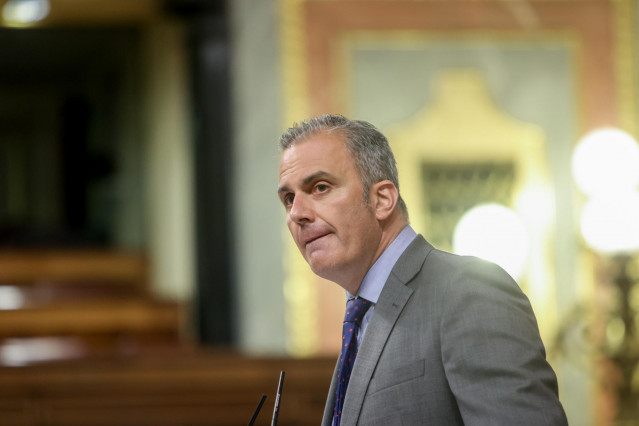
[(390, 229)]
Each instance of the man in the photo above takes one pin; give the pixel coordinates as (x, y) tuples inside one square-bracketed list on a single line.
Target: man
[(445, 339)]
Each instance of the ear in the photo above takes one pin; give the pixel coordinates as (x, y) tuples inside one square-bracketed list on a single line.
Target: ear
[(383, 196)]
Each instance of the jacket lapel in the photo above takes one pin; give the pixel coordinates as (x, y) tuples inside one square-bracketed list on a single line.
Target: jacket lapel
[(390, 304)]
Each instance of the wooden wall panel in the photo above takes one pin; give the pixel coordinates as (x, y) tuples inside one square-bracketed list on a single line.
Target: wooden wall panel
[(591, 21), (171, 388)]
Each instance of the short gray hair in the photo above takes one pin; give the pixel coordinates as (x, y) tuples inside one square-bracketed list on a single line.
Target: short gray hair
[(371, 152)]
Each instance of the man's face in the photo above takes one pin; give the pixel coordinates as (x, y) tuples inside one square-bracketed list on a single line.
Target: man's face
[(336, 232)]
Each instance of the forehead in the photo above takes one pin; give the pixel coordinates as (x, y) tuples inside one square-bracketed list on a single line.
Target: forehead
[(322, 151)]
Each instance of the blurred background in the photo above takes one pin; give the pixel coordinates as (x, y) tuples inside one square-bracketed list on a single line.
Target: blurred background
[(146, 274)]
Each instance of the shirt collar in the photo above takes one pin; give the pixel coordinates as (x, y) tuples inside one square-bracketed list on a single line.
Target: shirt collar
[(376, 277)]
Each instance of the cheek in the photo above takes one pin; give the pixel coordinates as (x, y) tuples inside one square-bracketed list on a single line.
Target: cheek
[(294, 231), (292, 228), (361, 229)]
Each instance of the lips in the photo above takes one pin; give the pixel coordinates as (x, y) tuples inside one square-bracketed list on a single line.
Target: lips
[(314, 237)]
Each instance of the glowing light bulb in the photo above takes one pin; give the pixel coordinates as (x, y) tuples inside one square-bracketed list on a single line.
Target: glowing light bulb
[(610, 225), (494, 233), (24, 12), (606, 161)]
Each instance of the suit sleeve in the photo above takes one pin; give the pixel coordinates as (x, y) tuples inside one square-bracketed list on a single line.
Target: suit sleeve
[(493, 355)]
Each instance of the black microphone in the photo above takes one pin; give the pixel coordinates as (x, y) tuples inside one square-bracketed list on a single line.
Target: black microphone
[(276, 408), (257, 410)]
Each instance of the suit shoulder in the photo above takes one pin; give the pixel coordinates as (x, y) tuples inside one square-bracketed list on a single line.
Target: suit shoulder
[(466, 273), (422, 261), (458, 263)]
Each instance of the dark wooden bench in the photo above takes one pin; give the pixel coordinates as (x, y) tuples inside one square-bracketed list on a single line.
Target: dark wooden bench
[(176, 387), (95, 302)]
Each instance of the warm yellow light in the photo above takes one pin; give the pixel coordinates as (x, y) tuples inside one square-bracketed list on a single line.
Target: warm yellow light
[(495, 233), (24, 12), (11, 298), (535, 204), (611, 224), (605, 161)]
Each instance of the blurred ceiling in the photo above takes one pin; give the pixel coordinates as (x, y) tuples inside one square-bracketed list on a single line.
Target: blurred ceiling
[(110, 12), (99, 12), (77, 33)]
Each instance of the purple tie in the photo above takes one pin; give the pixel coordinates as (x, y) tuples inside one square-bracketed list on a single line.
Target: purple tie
[(355, 310)]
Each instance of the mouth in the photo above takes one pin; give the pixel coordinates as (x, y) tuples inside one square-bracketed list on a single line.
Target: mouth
[(309, 240)]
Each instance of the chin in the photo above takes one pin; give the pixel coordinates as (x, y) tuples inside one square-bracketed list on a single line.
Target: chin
[(328, 271), (318, 268), (321, 268)]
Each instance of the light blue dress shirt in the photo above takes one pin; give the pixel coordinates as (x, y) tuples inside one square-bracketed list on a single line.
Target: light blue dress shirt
[(376, 277)]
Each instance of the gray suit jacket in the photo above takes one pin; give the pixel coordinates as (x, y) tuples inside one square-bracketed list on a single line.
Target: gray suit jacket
[(452, 341)]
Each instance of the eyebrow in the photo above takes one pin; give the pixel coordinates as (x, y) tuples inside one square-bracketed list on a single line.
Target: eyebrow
[(310, 178)]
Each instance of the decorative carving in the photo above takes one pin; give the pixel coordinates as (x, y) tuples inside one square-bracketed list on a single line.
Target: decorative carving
[(453, 189), (465, 139)]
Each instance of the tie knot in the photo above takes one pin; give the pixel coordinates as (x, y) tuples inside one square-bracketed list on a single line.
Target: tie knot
[(356, 309)]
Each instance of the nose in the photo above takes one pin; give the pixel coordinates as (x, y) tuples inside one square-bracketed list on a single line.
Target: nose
[(301, 210)]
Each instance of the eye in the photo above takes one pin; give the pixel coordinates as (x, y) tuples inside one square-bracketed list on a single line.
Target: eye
[(321, 187), (287, 199)]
